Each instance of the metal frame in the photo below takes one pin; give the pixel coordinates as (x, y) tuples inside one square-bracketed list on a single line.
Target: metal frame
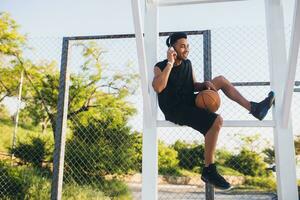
[(147, 49), (61, 125), (280, 73), (189, 2), (292, 64), (283, 136)]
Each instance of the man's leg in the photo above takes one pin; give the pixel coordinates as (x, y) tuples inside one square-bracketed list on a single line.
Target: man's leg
[(211, 138), (210, 173), (258, 110), (230, 91)]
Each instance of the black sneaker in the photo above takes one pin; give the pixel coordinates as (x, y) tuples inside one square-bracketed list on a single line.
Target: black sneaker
[(260, 110), (210, 175)]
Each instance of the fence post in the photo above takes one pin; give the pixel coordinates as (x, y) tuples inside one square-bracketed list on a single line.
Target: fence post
[(209, 189), (17, 116), (207, 55), (61, 125)]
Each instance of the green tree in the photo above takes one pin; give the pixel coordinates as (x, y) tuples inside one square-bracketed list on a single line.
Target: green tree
[(4, 114), (189, 155), (99, 148), (11, 40), (137, 145), (249, 142), (88, 88), (270, 155), (34, 151), (40, 90), (248, 162), (297, 145), (11, 44), (167, 159)]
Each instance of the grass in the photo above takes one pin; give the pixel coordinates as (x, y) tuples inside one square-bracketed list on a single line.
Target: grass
[(74, 191), (7, 130), (25, 182), (264, 184), (228, 171)]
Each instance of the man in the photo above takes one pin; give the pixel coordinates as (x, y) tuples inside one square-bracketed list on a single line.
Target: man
[(175, 84)]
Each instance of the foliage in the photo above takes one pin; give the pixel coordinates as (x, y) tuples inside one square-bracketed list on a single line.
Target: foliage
[(136, 139), (189, 155), (4, 114), (100, 147), (266, 183), (11, 44), (34, 184), (13, 184), (97, 188), (228, 171), (82, 192), (167, 159), (222, 155), (90, 91), (33, 152), (248, 162), (11, 39), (269, 155), (297, 145)]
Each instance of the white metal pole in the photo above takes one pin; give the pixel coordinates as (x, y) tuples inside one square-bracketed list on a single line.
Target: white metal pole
[(146, 58), (17, 114), (150, 146), (227, 123), (283, 136), (188, 2), (292, 64), (142, 60)]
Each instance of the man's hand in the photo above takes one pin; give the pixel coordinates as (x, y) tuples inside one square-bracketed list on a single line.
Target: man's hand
[(207, 85), (171, 55)]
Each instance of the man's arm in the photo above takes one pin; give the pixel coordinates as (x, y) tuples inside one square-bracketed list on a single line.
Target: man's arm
[(199, 86), (206, 85), (160, 79)]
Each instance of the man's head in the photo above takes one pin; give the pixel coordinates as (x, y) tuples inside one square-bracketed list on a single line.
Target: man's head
[(178, 41)]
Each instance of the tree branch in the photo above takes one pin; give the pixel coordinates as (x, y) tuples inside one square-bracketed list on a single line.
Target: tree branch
[(50, 115)]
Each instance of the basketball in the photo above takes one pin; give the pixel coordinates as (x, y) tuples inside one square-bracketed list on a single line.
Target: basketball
[(208, 99)]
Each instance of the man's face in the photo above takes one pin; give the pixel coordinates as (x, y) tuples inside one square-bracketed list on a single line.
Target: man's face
[(182, 48)]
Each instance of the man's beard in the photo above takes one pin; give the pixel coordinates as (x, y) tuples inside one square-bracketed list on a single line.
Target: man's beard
[(183, 57)]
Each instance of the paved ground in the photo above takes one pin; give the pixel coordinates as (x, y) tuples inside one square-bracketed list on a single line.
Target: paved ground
[(184, 192)]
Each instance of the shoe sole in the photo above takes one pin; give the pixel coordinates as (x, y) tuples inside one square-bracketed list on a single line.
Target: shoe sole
[(220, 188)]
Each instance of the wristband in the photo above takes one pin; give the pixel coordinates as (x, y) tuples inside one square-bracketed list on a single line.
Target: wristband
[(170, 63)]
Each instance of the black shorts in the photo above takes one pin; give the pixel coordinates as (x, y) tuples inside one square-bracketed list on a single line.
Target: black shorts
[(192, 116)]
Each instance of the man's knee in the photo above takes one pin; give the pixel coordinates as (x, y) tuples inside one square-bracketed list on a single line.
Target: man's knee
[(221, 79), (218, 123)]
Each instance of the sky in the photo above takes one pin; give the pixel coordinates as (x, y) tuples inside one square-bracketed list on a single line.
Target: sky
[(44, 18)]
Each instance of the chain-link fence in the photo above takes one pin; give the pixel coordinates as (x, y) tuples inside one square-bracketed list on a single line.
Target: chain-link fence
[(103, 151)]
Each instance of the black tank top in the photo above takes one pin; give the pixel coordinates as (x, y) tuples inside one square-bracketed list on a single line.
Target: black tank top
[(179, 89)]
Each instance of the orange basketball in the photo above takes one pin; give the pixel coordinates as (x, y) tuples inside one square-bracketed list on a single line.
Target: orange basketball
[(208, 99)]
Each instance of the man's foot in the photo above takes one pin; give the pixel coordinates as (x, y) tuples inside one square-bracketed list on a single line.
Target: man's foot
[(260, 110), (211, 175)]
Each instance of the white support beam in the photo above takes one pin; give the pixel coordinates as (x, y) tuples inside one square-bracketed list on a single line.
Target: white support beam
[(150, 142), (292, 64), (283, 136), (138, 27), (188, 2), (227, 123), (149, 163)]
